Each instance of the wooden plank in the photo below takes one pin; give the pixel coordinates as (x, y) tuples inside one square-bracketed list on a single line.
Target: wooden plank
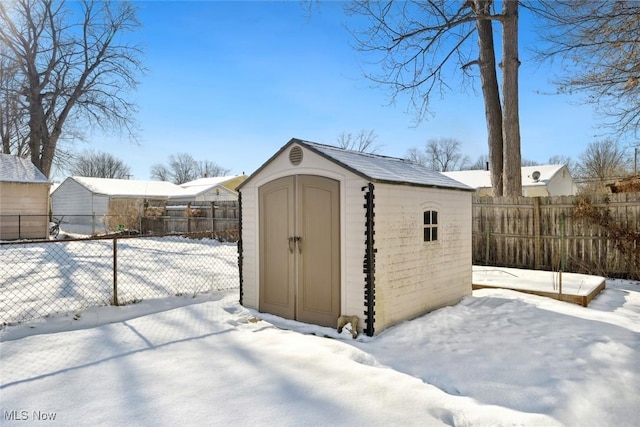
[(582, 300)]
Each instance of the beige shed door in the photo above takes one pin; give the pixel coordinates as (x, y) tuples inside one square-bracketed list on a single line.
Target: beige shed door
[(300, 249)]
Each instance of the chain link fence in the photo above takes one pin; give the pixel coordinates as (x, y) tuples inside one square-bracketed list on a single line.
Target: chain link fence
[(42, 227), (40, 278)]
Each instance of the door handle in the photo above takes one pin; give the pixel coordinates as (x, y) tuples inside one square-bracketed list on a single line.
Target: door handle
[(295, 241)]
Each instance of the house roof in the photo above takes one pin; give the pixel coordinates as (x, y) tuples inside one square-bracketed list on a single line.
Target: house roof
[(19, 169), (202, 185), (482, 178), (375, 168), (128, 187)]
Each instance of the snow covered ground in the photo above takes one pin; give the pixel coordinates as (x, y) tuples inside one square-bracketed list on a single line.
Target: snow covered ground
[(536, 280), (498, 358), (38, 279)]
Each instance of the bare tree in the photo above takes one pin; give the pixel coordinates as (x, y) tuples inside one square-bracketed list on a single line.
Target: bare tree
[(13, 126), (363, 141), (420, 45), (529, 162), (490, 91), (511, 176), (416, 155), (70, 71), (209, 168), (481, 163), (445, 154), (183, 168), (601, 163), (559, 159), (99, 165), (160, 172), (598, 43)]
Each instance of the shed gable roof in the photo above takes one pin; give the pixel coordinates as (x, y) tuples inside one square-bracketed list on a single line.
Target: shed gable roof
[(18, 169), (374, 168), (202, 185)]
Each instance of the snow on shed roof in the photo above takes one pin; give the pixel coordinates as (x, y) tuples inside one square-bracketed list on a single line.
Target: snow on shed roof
[(376, 168), (129, 187), (202, 185), (18, 169), (482, 178)]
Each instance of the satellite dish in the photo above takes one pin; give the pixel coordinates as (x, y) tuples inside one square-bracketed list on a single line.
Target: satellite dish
[(536, 176)]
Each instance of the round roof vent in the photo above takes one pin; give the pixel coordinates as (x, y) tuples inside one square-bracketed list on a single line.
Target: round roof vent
[(536, 176), (295, 156)]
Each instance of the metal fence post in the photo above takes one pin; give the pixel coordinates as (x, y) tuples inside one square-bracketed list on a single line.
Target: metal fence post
[(562, 252), (115, 271), (213, 219)]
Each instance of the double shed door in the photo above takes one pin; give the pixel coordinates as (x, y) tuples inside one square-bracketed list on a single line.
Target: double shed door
[(300, 249)]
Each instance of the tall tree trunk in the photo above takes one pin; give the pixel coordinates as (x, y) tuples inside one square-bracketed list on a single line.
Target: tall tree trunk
[(48, 153), (491, 93), (37, 129), (511, 119)]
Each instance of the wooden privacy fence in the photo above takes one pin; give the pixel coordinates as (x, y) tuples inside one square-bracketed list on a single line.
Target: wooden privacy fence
[(544, 233), (220, 217)]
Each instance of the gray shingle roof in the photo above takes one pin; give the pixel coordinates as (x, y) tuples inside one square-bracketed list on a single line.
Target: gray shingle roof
[(385, 169), (373, 167), (18, 169)]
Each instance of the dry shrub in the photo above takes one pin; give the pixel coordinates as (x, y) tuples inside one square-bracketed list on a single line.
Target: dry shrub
[(123, 217), (154, 211), (624, 238), (195, 212), (628, 185)]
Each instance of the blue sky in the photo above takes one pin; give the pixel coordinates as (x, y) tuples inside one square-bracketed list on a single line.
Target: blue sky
[(231, 82)]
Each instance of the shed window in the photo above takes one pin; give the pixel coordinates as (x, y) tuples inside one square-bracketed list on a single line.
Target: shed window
[(430, 226)]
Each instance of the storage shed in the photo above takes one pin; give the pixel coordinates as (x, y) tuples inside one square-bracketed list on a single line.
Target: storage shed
[(327, 232), (24, 199), (91, 202)]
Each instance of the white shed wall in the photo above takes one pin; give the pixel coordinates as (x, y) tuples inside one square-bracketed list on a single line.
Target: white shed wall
[(71, 198), (219, 193), (413, 277), (352, 226), (562, 184), (76, 203)]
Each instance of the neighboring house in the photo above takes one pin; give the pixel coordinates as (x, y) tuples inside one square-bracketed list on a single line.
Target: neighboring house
[(630, 184), (86, 201), (328, 232), (24, 199), (537, 181), (213, 189)]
